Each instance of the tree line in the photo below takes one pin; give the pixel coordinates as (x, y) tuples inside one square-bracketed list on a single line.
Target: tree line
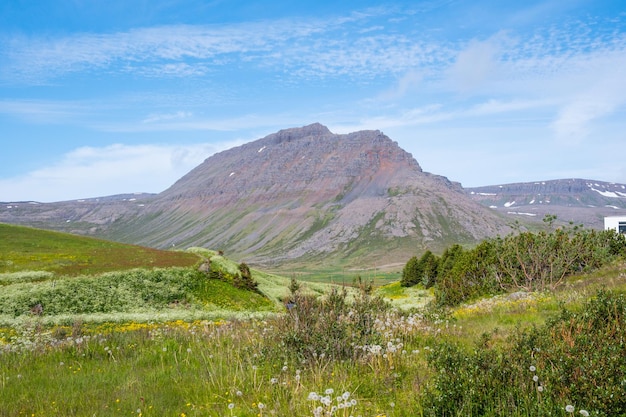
[(522, 261)]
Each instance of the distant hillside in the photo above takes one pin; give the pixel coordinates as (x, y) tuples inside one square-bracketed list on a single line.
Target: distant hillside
[(301, 194), (29, 249), (581, 201)]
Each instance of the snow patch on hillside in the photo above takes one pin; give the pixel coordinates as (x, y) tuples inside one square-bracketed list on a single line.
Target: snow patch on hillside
[(609, 194), (521, 213)]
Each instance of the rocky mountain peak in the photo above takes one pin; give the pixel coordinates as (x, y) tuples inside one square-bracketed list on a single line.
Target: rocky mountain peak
[(295, 133)]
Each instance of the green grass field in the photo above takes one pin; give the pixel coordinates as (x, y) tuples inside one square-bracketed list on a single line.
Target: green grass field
[(27, 249), (158, 339)]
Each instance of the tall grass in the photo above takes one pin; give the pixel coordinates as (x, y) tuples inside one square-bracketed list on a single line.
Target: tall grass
[(399, 364)]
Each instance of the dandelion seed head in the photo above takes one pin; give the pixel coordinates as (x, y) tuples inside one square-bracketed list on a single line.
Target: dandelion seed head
[(584, 413), (231, 406), (532, 368), (540, 388), (535, 378), (569, 408)]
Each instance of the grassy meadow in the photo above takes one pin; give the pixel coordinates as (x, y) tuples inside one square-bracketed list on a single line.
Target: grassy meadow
[(153, 338)]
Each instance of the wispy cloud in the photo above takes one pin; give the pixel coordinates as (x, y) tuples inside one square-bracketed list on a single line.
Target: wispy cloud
[(42, 111), (115, 169)]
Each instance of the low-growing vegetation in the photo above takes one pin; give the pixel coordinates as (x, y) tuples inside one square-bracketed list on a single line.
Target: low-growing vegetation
[(219, 338)]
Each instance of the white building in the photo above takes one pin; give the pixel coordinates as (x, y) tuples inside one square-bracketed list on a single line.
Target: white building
[(617, 223)]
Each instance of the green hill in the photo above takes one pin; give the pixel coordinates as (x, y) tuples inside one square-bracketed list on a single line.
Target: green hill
[(64, 278), (29, 249)]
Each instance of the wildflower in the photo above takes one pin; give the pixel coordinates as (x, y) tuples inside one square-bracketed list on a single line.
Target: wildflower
[(584, 413), (569, 408)]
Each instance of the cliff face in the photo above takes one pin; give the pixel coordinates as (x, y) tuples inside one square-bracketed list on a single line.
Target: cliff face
[(301, 194)]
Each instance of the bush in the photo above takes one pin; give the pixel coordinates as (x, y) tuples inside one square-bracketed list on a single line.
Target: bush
[(525, 261), (124, 291), (576, 358), (330, 326), (244, 279)]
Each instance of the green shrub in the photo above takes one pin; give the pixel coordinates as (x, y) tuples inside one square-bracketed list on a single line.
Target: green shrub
[(331, 326), (244, 279), (123, 291), (575, 359), (524, 261)]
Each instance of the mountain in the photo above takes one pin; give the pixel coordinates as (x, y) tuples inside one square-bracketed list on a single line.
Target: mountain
[(579, 201), (301, 194)]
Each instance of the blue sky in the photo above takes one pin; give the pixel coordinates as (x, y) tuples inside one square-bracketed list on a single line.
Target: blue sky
[(118, 96)]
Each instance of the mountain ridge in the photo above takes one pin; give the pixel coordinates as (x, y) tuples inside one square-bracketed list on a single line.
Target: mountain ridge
[(306, 194), (577, 200)]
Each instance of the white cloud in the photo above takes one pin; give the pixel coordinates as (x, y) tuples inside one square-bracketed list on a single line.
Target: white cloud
[(179, 115), (602, 92), (115, 169), (407, 83), (476, 63)]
